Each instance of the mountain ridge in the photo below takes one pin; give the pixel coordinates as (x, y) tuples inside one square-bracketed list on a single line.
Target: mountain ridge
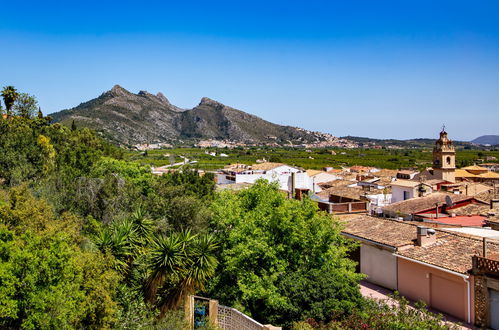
[(487, 139), (128, 118)]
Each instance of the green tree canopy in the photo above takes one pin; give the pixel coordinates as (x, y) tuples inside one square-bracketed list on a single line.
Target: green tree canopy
[(25, 105), (281, 260), (47, 280)]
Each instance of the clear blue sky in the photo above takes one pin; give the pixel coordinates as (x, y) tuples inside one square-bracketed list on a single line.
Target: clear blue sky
[(385, 69)]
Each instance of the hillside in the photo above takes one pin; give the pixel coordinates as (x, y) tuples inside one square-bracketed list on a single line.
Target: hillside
[(410, 143), (493, 140), (128, 118)]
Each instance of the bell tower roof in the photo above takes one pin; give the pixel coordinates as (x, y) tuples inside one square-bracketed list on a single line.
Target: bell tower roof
[(444, 143)]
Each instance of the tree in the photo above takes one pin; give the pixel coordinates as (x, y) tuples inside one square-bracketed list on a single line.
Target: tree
[(281, 260), (25, 105), (47, 280), (39, 115), (73, 125), (178, 264), (9, 94), (395, 313)]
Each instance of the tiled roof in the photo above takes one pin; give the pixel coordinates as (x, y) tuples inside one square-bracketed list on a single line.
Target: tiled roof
[(485, 196), (489, 175), (463, 174), (475, 188), (407, 172), (405, 183), (380, 230), (474, 168), (358, 168), (419, 204), (314, 172), (266, 166), (335, 183), (384, 181), (385, 172), (343, 191), (451, 251), (474, 209)]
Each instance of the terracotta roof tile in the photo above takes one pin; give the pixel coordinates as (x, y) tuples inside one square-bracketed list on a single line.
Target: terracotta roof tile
[(266, 166), (451, 251), (343, 191), (419, 204), (385, 231)]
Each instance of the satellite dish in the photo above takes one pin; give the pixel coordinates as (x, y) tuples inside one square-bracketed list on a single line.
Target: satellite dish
[(448, 201)]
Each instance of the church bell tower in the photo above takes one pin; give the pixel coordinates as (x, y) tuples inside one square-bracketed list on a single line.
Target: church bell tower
[(444, 158)]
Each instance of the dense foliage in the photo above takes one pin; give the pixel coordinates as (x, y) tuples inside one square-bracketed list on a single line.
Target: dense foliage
[(420, 157), (48, 279), (394, 313), (281, 260), (91, 240)]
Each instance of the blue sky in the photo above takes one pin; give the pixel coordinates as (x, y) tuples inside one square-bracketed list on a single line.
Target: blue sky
[(384, 69)]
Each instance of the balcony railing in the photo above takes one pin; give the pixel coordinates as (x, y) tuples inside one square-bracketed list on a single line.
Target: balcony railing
[(485, 265)]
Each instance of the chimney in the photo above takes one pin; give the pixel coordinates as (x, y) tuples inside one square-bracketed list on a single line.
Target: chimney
[(494, 203), (426, 236)]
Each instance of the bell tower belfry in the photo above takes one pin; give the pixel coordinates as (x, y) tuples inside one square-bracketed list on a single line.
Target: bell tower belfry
[(444, 158)]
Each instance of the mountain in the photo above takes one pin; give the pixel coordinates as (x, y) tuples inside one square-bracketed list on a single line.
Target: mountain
[(129, 119), (409, 143), (487, 139)]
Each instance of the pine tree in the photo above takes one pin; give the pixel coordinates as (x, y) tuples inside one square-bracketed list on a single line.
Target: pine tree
[(73, 126)]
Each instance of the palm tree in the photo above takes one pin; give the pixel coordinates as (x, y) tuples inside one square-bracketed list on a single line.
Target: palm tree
[(9, 94), (179, 264)]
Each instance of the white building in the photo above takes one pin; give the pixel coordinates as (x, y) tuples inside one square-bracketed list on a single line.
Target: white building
[(272, 172), (406, 189)]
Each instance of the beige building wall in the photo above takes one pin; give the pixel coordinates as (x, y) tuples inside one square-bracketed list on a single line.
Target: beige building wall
[(379, 265), (441, 290)]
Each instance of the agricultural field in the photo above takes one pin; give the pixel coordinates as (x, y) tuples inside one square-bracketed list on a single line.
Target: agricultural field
[(308, 159)]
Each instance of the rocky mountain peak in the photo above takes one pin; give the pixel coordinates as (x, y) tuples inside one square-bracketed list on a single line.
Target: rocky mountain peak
[(207, 101), (163, 98), (118, 90)]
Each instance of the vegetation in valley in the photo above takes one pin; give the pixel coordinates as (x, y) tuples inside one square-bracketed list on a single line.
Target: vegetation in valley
[(90, 239), (308, 159)]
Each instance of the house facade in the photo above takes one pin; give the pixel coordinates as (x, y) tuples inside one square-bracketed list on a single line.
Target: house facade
[(431, 265), (406, 189)]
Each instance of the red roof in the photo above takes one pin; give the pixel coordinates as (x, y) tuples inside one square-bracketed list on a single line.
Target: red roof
[(463, 220)]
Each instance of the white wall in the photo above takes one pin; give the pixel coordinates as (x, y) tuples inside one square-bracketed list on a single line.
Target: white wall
[(222, 179), (302, 180), (379, 265), (398, 193), (284, 169)]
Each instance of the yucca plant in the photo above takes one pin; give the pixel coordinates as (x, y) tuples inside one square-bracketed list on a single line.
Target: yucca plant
[(178, 264)]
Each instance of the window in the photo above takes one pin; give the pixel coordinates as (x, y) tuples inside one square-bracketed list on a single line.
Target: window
[(448, 160)]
